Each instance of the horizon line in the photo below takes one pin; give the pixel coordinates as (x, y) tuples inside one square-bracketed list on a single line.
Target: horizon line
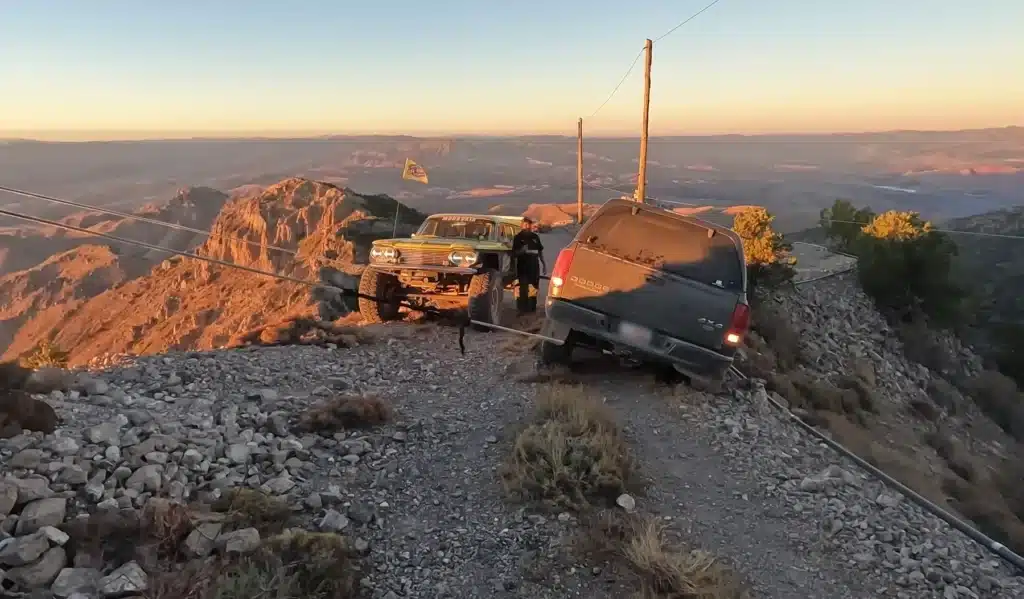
[(132, 135)]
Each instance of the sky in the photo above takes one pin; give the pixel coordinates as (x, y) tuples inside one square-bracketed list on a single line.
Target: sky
[(116, 69)]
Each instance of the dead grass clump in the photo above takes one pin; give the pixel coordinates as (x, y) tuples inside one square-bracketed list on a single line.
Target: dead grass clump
[(192, 580), (306, 565), (168, 524), (850, 396), (346, 412), (521, 344), (662, 570), (780, 335), (997, 395), (252, 508), (303, 330), (571, 455)]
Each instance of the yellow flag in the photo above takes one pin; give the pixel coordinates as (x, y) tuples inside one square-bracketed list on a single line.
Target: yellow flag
[(414, 172)]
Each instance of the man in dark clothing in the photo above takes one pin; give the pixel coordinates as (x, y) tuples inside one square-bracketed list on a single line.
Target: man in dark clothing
[(529, 254)]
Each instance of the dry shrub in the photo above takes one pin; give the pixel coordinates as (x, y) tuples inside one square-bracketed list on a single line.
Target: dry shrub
[(300, 565), (997, 395), (346, 412), (905, 467), (192, 580), (663, 571), (521, 344), (168, 524), (46, 354), (803, 390), (921, 345), (295, 565), (780, 336), (570, 455), (252, 508), (303, 330)]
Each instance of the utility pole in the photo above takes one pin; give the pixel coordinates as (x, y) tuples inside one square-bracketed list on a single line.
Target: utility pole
[(641, 182), (579, 172)]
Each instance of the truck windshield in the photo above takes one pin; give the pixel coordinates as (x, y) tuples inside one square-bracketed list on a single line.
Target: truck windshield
[(667, 243), (460, 227)]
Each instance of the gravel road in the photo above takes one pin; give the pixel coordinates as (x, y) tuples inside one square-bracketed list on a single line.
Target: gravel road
[(422, 494)]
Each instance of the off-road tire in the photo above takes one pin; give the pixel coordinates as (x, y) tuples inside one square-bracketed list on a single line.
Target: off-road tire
[(375, 283), (486, 298), (552, 354)]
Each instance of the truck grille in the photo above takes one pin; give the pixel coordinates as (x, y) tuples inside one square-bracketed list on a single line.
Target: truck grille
[(425, 257)]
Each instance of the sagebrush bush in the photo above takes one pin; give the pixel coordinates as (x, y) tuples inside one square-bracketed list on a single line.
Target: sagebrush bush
[(46, 355)]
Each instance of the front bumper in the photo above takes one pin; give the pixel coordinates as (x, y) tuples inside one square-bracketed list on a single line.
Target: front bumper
[(452, 270)]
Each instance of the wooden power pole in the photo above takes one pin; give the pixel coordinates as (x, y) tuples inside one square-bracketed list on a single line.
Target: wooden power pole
[(641, 182), (579, 172)]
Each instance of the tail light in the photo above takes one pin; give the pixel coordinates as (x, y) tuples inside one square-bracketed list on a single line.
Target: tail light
[(562, 264), (738, 324)]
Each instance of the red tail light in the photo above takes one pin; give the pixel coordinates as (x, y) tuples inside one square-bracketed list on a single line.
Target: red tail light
[(738, 324), (562, 264)]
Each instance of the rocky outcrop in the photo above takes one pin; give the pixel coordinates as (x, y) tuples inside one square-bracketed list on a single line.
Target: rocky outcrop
[(905, 400), (298, 228)]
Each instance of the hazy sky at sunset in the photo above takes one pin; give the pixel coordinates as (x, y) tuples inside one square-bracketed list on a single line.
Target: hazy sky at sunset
[(461, 66)]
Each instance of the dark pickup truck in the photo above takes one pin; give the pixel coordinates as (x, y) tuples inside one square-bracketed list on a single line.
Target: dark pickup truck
[(663, 288)]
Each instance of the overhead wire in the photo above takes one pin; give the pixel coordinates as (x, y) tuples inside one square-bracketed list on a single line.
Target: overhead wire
[(953, 231), (636, 59), (685, 21), (152, 221), (158, 248), (462, 322)]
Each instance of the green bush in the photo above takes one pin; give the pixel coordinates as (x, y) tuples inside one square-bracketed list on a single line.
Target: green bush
[(906, 267), (843, 224)]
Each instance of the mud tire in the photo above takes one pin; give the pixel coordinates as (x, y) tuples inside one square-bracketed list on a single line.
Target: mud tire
[(379, 284)]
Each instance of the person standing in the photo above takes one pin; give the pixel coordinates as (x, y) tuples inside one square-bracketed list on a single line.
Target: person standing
[(529, 254)]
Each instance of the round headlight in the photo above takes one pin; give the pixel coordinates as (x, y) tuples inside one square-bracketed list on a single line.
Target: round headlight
[(390, 253), (462, 257), (376, 253)]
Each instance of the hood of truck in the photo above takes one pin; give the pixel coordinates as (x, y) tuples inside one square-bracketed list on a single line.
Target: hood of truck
[(443, 243)]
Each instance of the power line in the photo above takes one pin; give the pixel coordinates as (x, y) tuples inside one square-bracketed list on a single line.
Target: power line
[(640, 53), (686, 20), (621, 81), (976, 233), (345, 292), (150, 246), (160, 223), (602, 187)]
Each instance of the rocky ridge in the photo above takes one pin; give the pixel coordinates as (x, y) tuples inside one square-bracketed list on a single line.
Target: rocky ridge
[(420, 497), (184, 303)]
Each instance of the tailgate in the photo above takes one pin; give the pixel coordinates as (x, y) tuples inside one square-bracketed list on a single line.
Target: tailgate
[(663, 302)]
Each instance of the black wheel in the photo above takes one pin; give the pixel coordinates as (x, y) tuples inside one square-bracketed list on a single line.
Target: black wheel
[(486, 294), (382, 285), (552, 353)]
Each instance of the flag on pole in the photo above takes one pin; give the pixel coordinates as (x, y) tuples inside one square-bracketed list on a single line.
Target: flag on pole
[(414, 172)]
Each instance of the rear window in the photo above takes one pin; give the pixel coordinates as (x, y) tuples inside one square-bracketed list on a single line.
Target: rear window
[(666, 243)]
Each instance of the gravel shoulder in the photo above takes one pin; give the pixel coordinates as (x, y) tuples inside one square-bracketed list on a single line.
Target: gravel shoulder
[(422, 498)]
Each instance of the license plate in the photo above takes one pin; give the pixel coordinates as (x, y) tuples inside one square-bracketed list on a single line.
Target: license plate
[(634, 333)]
